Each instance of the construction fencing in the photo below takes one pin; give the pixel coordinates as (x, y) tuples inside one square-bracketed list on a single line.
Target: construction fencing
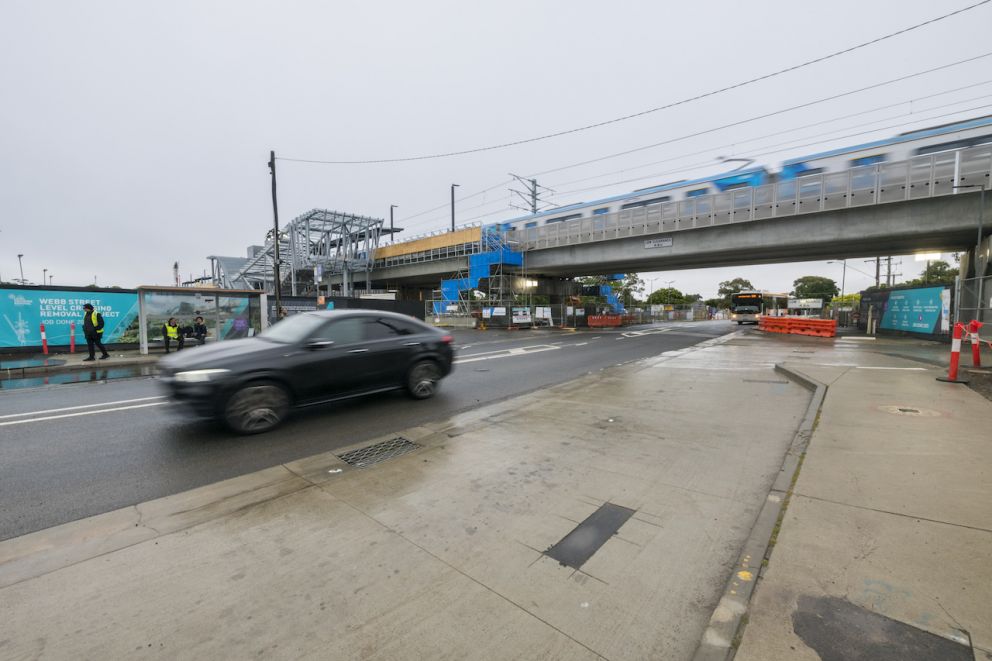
[(972, 290)]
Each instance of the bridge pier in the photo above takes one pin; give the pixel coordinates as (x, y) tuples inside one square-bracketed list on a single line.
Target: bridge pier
[(974, 292)]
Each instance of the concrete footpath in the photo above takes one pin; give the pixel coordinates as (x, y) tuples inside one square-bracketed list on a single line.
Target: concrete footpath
[(440, 552), (885, 550)]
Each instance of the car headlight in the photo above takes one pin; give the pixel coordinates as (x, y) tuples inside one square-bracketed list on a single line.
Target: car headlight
[(199, 376)]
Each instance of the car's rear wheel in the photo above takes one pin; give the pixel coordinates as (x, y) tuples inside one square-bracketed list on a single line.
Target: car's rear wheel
[(256, 408), (423, 378)]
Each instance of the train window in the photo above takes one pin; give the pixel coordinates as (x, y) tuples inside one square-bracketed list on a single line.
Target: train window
[(697, 192), (956, 144), (531, 224), (563, 218), (600, 211), (646, 203), (867, 160)]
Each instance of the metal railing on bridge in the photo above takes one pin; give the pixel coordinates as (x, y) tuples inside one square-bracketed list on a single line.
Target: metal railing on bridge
[(925, 176)]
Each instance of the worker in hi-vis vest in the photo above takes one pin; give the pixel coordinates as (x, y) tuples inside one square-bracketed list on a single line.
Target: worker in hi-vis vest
[(172, 333), (93, 331)]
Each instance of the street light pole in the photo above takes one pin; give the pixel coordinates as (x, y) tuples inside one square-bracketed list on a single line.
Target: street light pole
[(843, 278), (21, 265), (453, 187), (50, 277), (44, 276)]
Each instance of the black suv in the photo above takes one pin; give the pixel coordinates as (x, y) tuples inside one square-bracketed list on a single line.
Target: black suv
[(305, 359)]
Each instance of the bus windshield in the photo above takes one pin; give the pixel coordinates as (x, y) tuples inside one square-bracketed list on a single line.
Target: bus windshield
[(746, 302)]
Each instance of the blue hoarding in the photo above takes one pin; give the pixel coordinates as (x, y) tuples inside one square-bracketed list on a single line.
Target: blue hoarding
[(913, 310), (23, 311)]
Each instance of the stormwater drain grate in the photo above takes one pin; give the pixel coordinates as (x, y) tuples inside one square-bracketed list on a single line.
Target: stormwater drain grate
[(763, 381), (910, 411), (378, 452)]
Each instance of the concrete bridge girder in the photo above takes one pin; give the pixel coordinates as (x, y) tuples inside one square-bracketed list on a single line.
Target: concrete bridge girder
[(946, 223)]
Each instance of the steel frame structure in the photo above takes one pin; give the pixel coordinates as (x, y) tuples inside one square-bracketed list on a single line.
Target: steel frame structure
[(319, 242)]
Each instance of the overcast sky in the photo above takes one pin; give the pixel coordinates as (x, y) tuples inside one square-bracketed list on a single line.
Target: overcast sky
[(135, 134)]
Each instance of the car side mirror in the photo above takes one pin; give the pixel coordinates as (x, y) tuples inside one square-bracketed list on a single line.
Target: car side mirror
[(315, 344)]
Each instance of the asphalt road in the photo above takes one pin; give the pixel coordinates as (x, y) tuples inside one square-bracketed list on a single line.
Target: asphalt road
[(68, 452)]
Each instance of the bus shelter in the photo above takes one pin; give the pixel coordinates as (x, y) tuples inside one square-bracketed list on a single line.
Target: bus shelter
[(227, 313)]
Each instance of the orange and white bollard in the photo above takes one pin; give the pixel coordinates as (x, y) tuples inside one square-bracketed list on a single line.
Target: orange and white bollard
[(72, 337), (952, 371), (976, 344), (44, 341)]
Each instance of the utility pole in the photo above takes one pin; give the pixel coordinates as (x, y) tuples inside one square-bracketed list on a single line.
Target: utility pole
[(453, 187), (888, 272), (530, 195), (391, 235), (878, 272), (275, 235)]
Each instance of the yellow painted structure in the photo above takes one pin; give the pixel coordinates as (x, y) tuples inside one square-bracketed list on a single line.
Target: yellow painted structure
[(457, 238)]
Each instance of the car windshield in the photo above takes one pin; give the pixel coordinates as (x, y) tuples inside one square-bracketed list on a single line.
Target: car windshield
[(293, 329)]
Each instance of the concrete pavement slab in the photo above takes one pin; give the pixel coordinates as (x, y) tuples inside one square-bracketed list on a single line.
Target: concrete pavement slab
[(930, 575), (304, 576)]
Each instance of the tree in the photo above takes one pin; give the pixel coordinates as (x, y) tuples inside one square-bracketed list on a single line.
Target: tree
[(692, 298), (815, 286), (716, 303), (937, 272), (847, 301), (626, 288), (666, 296), (728, 288)]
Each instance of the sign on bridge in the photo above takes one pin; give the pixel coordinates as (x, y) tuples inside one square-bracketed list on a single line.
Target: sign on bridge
[(665, 242)]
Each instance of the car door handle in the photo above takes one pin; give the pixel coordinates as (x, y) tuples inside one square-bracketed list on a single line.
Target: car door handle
[(358, 351), (411, 344)]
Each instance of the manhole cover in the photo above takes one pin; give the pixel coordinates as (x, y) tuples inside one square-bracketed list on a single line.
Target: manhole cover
[(910, 411), (378, 452)]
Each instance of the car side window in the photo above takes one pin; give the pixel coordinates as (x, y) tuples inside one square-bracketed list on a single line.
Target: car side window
[(342, 331), (402, 327), (380, 329)]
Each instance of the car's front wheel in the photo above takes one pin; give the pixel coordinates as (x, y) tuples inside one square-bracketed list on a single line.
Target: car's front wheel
[(423, 378), (256, 408)]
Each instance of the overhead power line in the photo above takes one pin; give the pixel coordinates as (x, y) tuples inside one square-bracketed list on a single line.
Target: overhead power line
[(766, 115), (649, 111)]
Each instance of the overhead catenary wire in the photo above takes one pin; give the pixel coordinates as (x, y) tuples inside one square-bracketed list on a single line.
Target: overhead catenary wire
[(738, 143), (765, 115), (789, 144), (642, 113), (774, 151)]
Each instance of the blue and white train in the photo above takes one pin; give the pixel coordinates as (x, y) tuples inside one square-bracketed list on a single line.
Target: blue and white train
[(946, 137)]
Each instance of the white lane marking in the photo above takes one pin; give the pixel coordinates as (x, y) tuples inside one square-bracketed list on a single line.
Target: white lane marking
[(75, 415), (905, 369), (596, 338), (506, 353), (76, 408), (580, 344)]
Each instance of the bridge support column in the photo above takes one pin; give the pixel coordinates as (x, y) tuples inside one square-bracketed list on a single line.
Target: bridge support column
[(975, 285)]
